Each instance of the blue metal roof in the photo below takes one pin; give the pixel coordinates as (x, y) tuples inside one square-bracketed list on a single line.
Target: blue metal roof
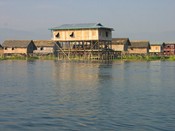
[(80, 26)]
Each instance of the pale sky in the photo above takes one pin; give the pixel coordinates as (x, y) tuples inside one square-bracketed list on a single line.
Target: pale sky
[(152, 20)]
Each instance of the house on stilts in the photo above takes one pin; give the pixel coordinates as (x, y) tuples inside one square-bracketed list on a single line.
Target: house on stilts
[(83, 41)]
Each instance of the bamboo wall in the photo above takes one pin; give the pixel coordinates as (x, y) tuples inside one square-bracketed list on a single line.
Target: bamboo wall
[(15, 51), (155, 49), (44, 50), (118, 47), (138, 51), (82, 35), (1, 52)]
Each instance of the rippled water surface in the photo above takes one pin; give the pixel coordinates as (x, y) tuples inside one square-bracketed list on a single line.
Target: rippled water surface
[(86, 96)]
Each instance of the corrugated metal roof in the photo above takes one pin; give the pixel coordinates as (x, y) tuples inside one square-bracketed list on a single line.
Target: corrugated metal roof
[(16, 43), (80, 26)]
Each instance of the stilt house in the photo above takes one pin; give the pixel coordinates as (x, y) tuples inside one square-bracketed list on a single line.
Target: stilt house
[(82, 40)]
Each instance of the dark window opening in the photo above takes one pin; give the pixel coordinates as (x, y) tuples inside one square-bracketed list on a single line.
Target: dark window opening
[(99, 24), (107, 34), (41, 48), (13, 48), (5, 48), (57, 35), (72, 34)]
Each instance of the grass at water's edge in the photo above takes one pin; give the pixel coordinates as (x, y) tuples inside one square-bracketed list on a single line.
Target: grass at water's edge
[(125, 58), (146, 58), (28, 58)]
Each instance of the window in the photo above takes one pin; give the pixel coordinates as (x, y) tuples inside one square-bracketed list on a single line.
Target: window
[(107, 34), (99, 24), (57, 35), (41, 48), (72, 34), (5, 48), (13, 48)]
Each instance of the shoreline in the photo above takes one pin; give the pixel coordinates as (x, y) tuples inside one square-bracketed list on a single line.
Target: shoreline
[(126, 58)]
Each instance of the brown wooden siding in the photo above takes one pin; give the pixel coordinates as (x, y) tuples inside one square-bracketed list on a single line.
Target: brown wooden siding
[(155, 49), (118, 48), (138, 50), (82, 35), (1, 52), (44, 50), (15, 50)]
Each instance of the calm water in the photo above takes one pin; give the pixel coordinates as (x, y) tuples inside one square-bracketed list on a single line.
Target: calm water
[(81, 96)]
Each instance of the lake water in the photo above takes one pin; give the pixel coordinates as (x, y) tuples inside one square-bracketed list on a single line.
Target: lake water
[(87, 96)]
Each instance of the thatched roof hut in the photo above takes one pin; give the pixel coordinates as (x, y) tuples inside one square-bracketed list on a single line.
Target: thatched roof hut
[(18, 46), (44, 43), (46, 47), (16, 43), (120, 44), (139, 47)]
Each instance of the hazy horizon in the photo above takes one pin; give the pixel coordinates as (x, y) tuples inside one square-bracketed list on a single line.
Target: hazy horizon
[(136, 19)]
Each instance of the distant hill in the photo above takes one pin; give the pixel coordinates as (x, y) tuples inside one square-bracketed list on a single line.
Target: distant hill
[(6, 33)]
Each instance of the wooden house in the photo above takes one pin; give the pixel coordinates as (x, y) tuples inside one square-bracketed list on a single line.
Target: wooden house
[(45, 47), (120, 44), (169, 48), (139, 47), (155, 49), (23, 47), (82, 32), (83, 40)]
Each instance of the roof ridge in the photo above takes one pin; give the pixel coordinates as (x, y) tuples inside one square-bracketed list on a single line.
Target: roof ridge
[(139, 40), (79, 26), (120, 38)]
